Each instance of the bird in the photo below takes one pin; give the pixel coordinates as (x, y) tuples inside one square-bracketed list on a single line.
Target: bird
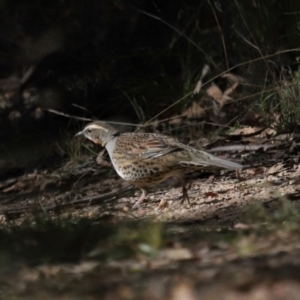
[(146, 159)]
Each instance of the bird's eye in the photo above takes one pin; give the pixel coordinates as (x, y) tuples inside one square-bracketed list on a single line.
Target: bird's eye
[(89, 131)]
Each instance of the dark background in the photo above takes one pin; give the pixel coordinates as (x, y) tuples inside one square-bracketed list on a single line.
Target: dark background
[(125, 60)]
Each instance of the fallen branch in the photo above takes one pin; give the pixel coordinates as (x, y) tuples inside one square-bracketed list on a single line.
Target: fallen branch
[(242, 147), (75, 203)]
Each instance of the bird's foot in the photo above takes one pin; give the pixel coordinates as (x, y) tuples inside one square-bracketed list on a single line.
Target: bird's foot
[(141, 199), (185, 195)]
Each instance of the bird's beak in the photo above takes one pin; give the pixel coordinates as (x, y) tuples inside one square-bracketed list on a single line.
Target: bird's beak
[(80, 133)]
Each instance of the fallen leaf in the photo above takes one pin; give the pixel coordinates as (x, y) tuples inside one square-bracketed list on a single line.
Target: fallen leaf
[(176, 254), (194, 111), (214, 91), (210, 194), (275, 168), (233, 77), (245, 131), (17, 186), (241, 226)]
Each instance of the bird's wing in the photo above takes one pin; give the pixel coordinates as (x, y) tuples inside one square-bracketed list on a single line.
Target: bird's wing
[(147, 146), (152, 146)]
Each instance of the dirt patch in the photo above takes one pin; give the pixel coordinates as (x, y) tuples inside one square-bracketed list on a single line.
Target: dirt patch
[(238, 238)]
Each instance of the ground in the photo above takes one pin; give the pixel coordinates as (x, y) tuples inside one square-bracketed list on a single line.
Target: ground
[(70, 232)]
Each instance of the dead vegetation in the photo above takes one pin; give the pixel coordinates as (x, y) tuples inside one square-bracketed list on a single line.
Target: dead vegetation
[(65, 235), (67, 230)]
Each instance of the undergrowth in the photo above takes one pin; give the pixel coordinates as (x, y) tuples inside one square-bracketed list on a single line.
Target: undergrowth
[(280, 107)]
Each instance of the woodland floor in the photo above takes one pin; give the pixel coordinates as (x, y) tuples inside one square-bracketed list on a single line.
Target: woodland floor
[(239, 237)]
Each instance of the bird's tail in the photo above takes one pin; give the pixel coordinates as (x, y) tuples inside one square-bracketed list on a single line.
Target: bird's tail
[(201, 158), (223, 163)]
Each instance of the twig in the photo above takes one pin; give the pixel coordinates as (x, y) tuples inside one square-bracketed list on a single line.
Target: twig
[(242, 147), (86, 119), (80, 202)]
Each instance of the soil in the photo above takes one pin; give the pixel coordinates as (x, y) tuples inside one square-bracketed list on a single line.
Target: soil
[(69, 232)]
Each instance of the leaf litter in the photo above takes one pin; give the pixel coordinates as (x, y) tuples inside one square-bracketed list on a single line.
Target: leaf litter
[(238, 239)]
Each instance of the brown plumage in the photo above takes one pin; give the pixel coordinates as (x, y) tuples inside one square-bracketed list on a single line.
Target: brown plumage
[(146, 159)]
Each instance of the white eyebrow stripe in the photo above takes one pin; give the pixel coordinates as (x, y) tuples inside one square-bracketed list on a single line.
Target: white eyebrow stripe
[(94, 126)]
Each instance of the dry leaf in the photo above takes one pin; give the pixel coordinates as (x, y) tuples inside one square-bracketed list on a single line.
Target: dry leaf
[(241, 226), (233, 78), (221, 97), (194, 111), (198, 86), (245, 131), (274, 169), (227, 92), (210, 194), (176, 254), (214, 91), (260, 170), (183, 291), (163, 204), (176, 120), (17, 186)]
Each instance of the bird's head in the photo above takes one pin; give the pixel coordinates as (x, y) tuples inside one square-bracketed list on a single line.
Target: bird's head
[(98, 132)]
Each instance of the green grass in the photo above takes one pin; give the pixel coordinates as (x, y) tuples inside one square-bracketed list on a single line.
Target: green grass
[(280, 106)]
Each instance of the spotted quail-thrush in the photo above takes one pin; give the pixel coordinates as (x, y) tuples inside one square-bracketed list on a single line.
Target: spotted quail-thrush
[(146, 159)]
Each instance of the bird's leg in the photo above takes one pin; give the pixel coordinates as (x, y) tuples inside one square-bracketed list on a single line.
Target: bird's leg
[(143, 196), (184, 190), (101, 161), (185, 195)]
